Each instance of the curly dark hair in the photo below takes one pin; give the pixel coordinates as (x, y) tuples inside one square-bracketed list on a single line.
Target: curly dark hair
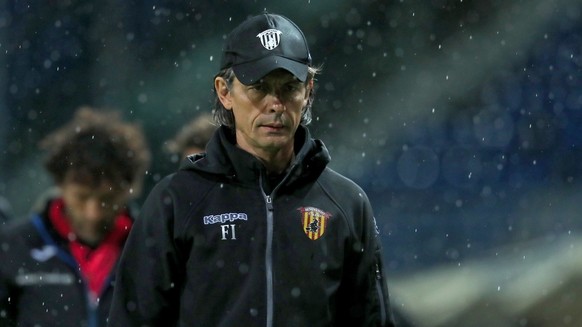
[(194, 134), (225, 117), (97, 146)]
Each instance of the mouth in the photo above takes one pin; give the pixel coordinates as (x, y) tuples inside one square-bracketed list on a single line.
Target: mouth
[(273, 126)]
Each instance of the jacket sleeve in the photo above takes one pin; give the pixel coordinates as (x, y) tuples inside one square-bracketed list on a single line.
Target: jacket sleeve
[(364, 293), (146, 291)]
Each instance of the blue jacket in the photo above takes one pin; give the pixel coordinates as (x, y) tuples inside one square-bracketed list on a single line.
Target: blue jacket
[(40, 283)]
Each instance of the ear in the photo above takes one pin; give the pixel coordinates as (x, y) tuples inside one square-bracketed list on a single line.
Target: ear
[(223, 93)]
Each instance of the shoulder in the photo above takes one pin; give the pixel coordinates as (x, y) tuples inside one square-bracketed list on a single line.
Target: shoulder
[(337, 183), (183, 181), (17, 228), (18, 234), (177, 193), (348, 196)]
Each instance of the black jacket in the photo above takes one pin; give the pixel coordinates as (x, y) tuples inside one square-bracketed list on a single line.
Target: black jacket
[(40, 283), (214, 246)]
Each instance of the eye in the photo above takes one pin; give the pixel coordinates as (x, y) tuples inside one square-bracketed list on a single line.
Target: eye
[(293, 87), (259, 87)]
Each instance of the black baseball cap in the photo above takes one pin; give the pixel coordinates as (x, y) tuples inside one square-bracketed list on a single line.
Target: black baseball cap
[(264, 43)]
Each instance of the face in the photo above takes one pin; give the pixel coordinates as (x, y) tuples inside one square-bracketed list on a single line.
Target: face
[(92, 210), (267, 113)]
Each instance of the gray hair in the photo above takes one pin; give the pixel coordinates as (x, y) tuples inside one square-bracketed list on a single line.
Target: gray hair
[(225, 117)]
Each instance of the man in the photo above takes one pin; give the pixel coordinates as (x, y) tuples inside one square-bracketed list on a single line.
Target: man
[(256, 231), (57, 267), (192, 138)]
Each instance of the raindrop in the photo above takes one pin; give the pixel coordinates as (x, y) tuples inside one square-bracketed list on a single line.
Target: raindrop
[(243, 268), (295, 292), (142, 98)]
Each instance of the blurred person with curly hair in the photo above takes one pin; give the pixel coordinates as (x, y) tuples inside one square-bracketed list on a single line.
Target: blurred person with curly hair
[(58, 267)]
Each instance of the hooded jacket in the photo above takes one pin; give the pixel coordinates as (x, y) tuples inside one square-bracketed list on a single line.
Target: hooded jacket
[(40, 280), (220, 244)]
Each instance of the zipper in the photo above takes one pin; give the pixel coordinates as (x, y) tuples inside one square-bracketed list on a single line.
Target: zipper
[(269, 244), (269, 259)]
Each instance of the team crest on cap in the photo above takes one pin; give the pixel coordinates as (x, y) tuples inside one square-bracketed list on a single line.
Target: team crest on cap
[(270, 38), (314, 221)]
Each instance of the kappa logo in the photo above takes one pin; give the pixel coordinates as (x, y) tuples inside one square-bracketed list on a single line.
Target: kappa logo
[(270, 38), (314, 221), (223, 218)]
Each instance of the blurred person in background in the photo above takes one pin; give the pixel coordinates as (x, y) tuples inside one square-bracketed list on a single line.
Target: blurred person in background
[(257, 231), (57, 267), (192, 138), (5, 211)]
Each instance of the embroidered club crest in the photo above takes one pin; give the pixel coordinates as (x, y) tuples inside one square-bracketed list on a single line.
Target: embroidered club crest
[(270, 38), (314, 221)]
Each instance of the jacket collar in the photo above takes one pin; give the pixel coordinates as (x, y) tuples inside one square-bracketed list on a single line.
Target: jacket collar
[(224, 158)]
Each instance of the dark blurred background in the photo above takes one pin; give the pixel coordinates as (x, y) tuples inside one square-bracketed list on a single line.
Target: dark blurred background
[(461, 119)]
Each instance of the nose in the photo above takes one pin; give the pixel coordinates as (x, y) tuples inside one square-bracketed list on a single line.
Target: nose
[(94, 210), (276, 103)]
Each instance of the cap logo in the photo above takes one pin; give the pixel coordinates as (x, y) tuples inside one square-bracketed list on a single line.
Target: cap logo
[(270, 38)]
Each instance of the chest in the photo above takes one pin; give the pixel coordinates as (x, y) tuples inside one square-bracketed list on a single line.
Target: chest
[(243, 226)]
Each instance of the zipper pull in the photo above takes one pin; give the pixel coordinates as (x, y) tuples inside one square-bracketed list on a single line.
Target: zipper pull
[(269, 202)]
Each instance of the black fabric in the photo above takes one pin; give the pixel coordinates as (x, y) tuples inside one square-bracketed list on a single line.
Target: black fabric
[(264, 43), (210, 246)]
